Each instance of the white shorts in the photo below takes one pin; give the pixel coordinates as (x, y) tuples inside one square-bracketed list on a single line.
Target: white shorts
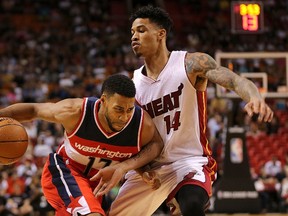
[(136, 198)]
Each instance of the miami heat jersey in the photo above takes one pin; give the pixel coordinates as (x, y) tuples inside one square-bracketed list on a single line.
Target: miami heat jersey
[(166, 100), (90, 145)]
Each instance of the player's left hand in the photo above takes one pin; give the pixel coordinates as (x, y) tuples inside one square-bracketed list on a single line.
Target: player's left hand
[(151, 178), (109, 178), (260, 108)]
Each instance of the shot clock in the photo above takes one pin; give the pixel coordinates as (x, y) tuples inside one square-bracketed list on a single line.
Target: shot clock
[(247, 17)]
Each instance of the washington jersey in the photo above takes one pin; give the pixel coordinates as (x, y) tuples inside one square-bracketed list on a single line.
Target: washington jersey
[(90, 144), (177, 108)]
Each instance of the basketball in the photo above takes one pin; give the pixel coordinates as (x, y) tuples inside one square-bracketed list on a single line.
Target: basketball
[(13, 140)]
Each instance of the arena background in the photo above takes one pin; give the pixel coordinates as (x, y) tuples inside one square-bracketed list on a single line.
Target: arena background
[(55, 49)]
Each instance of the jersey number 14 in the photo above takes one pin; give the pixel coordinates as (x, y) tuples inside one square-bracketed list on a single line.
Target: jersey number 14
[(174, 124)]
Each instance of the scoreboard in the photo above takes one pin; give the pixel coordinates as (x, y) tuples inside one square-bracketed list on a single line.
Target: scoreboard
[(247, 17)]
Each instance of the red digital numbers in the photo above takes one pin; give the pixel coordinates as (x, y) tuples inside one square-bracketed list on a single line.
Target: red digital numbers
[(250, 22), (247, 17)]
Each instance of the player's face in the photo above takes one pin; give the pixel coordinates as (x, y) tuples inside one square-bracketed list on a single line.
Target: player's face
[(118, 111), (144, 37)]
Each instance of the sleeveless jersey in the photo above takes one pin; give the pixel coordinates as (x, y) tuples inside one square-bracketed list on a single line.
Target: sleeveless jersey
[(177, 108), (90, 144)]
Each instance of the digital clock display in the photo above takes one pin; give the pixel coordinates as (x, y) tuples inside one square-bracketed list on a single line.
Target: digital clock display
[(247, 17)]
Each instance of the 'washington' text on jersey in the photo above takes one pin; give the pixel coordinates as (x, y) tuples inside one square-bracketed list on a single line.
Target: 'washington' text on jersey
[(166, 103), (98, 150)]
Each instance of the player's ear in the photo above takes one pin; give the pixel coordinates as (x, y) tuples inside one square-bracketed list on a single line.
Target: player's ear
[(162, 33), (103, 98)]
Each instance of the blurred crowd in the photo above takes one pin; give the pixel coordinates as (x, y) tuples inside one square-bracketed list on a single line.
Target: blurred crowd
[(55, 49)]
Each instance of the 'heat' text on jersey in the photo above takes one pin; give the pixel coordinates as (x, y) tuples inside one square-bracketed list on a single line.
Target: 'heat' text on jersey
[(166, 103)]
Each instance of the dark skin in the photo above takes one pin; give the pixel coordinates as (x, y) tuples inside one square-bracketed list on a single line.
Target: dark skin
[(149, 43), (114, 113)]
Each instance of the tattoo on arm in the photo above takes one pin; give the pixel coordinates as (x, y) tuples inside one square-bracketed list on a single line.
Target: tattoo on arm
[(205, 66), (144, 150), (222, 76), (199, 62), (228, 79)]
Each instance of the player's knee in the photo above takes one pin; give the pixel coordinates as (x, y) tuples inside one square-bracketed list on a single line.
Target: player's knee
[(192, 200)]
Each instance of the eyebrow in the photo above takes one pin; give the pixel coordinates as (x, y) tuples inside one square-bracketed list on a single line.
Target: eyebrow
[(139, 26), (120, 107)]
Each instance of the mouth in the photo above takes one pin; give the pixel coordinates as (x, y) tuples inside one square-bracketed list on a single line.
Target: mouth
[(120, 125), (135, 45)]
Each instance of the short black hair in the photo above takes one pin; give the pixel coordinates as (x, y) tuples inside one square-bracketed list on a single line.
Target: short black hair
[(155, 14), (119, 84)]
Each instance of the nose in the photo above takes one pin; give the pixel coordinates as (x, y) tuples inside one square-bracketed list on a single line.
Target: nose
[(124, 117), (134, 37)]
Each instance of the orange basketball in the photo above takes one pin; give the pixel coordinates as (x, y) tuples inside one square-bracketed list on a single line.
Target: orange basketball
[(13, 140)]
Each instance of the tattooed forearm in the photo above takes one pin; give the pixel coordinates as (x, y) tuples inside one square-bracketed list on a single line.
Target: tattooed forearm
[(230, 80), (247, 90), (222, 76), (147, 149), (149, 152), (201, 66)]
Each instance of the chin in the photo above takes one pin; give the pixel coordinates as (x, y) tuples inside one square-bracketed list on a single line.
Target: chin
[(137, 54)]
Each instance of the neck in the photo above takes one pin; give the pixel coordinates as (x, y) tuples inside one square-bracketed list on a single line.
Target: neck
[(156, 63)]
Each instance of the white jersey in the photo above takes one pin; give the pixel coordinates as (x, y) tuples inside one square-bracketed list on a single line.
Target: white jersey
[(179, 112), (177, 109)]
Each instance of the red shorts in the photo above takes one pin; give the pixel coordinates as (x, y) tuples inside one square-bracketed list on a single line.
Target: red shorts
[(207, 185), (210, 175), (67, 190)]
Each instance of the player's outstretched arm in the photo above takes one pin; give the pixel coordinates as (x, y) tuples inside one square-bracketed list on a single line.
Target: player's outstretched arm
[(20, 111), (201, 66), (152, 147), (65, 112)]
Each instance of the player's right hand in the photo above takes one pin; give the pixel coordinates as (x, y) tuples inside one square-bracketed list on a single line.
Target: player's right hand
[(109, 177), (258, 107), (152, 179)]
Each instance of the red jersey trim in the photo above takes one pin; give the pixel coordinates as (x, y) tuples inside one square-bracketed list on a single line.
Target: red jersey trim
[(140, 131), (202, 114)]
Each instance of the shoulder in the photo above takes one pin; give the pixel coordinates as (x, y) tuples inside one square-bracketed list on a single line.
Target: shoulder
[(69, 112), (199, 57), (148, 128), (69, 103), (148, 123), (68, 108), (197, 62)]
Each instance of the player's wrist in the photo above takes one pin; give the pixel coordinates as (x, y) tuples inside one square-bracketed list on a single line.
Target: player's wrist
[(122, 167)]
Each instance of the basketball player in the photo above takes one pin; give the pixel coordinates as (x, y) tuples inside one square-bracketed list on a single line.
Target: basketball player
[(171, 87), (110, 131)]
